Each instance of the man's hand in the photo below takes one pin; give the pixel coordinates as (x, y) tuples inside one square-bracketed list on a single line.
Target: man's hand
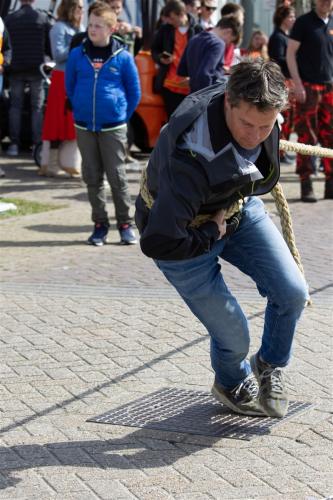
[(220, 221), (124, 28), (1, 69), (299, 92), (166, 59)]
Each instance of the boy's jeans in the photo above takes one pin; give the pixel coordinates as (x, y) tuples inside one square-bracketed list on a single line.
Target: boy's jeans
[(257, 249)]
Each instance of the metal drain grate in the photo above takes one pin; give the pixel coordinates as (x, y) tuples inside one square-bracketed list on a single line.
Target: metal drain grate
[(192, 412)]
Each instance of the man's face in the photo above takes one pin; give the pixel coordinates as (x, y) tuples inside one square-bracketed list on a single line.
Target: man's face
[(194, 9), (177, 20), (324, 7), (249, 126), (208, 7)]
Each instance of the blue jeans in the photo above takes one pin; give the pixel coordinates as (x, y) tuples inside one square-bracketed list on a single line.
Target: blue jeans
[(257, 249), (17, 85)]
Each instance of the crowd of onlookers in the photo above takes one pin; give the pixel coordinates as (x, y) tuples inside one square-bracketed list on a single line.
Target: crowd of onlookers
[(95, 85)]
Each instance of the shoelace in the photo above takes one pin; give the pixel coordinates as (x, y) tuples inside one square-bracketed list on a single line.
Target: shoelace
[(276, 378), (250, 385)]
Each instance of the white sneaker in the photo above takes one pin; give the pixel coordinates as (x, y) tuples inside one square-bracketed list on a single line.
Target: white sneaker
[(12, 150)]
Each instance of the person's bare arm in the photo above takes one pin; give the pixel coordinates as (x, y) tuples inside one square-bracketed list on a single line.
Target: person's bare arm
[(293, 46)]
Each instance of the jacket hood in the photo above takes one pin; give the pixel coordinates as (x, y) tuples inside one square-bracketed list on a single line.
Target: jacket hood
[(190, 108), (115, 44)]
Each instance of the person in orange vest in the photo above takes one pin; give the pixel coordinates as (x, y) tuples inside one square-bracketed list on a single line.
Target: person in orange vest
[(167, 49)]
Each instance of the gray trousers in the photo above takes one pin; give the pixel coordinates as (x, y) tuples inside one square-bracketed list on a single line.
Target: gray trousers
[(104, 152), (17, 84)]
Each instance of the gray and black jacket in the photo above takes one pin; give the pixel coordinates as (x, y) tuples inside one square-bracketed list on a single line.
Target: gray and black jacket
[(196, 169), (28, 29)]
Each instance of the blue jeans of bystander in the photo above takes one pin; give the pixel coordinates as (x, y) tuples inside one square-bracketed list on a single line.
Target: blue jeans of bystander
[(17, 85)]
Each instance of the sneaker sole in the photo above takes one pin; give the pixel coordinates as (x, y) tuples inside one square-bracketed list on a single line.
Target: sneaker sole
[(122, 242), (99, 244), (219, 397)]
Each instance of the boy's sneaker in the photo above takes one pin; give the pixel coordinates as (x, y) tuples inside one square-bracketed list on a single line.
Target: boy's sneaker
[(273, 395), (12, 150), (99, 235), (241, 399), (127, 235)]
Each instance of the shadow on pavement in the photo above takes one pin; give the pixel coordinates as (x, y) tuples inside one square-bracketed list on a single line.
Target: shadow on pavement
[(57, 228), (145, 450), (43, 243)]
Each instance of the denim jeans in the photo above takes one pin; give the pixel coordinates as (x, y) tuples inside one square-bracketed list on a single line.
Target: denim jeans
[(257, 249), (17, 84)]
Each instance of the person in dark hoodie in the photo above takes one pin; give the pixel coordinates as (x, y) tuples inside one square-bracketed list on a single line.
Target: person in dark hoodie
[(28, 30), (203, 58), (102, 84), (199, 202), (167, 49)]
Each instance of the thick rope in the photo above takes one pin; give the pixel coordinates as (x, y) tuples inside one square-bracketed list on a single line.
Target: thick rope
[(281, 202), (286, 223), (305, 149), (199, 219)]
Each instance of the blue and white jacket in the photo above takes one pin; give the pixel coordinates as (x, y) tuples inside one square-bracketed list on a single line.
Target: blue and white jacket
[(105, 98)]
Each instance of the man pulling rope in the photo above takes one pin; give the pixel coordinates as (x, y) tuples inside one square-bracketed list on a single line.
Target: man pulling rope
[(219, 151)]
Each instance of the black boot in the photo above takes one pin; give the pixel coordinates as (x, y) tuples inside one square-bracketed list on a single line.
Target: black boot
[(329, 189), (307, 194)]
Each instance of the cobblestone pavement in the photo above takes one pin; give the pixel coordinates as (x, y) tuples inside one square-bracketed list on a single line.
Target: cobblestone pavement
[(85, 330)]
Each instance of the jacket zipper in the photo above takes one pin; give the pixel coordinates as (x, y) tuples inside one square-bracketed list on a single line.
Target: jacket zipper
[(94, 100), (95, 84)]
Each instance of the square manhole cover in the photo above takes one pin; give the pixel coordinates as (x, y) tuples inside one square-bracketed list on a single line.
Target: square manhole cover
[(192, 412)]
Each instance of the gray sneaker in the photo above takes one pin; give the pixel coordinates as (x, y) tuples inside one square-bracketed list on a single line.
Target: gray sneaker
[(241, 399), (273, 395)]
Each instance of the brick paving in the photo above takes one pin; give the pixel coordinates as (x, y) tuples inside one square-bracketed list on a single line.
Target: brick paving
[(84, 330)]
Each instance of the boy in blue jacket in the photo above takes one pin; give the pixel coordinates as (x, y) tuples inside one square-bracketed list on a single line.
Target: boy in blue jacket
[(102, 84)]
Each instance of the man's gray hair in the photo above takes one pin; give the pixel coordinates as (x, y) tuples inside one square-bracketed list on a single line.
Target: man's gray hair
[(257, 82)]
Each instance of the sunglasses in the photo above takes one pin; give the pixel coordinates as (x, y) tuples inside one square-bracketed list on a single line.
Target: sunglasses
[(209, 8)]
